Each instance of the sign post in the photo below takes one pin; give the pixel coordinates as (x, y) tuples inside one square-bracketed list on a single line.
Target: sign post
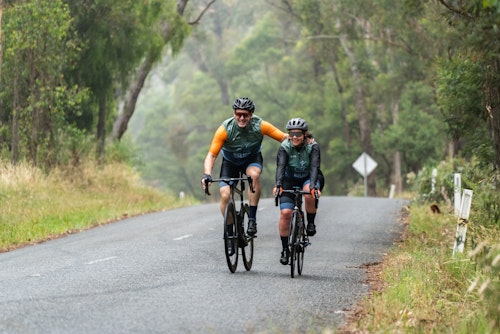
[(463, 219), (433, 184), (364, 165), (458, 189)]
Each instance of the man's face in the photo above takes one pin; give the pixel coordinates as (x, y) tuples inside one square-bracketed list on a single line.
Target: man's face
[(242, 117)]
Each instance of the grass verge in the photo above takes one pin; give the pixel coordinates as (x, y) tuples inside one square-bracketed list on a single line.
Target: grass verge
[(35, 207), (422, 288)]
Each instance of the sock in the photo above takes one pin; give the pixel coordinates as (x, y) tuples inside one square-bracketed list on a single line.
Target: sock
[(311, 217), (253, 211), (284, 242)]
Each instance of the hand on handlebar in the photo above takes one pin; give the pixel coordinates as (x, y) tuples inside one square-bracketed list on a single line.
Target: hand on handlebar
[(316, 193), (277, 191), (205, 182)]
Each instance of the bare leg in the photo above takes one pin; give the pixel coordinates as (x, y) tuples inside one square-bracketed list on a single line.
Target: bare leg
[(284, 222), (309, 201), (254, 173), (224, 194)]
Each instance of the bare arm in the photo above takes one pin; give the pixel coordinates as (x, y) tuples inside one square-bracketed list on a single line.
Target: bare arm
[(208, 165)]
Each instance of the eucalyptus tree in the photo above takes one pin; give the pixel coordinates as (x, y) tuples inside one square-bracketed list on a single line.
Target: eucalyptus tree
[(402, 91), (336, 30), (375, 51), (172, 29), (35, 96), (115, 35), (468, 85)]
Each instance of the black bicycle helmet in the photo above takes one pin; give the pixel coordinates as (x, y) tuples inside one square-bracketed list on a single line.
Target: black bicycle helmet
[(244, 103), (297, 123)]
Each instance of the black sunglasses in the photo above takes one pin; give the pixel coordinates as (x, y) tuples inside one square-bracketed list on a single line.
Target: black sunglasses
[(296, 134)]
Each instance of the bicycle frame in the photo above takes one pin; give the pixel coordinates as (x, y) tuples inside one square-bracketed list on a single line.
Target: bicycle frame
[(235, 238), (297, 239)]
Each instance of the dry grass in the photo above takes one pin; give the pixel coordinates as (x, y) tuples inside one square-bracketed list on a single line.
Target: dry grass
[(420, 287), (35, 206)]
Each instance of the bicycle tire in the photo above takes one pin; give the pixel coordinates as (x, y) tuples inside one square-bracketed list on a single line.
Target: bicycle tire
[(292, 242), (301, 245), (231, 237), (247, 245)]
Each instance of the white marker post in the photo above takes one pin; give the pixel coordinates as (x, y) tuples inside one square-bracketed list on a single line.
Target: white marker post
[(457, 180), (463, 218), (433, 184), (392, 191), (364, 165)]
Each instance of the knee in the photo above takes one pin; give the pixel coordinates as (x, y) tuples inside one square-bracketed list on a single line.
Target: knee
[(254, 174), (224, 195), (286, 215)]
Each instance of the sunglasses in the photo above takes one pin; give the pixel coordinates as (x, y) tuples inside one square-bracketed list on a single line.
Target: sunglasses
[(295, 134), (245, 115)]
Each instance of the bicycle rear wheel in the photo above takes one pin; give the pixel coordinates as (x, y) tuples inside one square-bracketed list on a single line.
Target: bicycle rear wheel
[(247, 244), (293, 241), (301, 246), (231, 237)]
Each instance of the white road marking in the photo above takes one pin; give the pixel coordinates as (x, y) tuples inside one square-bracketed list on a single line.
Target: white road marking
[(183, 237), (102, 260)]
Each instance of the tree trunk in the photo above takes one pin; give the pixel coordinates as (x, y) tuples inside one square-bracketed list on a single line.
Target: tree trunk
[(1, 61), (343, 106), (35, 113), (363, 116), (101, 131), (493, 109), (397, 180), (1, 50), (15, 121), (126, 112)]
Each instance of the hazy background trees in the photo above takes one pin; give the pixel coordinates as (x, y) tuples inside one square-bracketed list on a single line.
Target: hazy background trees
[(410, 83)]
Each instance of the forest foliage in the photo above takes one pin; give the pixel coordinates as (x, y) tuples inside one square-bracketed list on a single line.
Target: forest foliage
[(415, 84), (410, 83)]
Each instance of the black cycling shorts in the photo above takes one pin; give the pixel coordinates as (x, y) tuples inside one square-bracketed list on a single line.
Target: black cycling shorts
[(286, 199), (231, 170)]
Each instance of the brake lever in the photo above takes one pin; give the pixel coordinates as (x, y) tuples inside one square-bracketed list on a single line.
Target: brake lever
[(207, 192), (250, 184)]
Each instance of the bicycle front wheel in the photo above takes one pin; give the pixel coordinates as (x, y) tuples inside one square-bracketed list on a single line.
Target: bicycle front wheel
[(301, 246), (247, 244), (293, 241), (231, 237)]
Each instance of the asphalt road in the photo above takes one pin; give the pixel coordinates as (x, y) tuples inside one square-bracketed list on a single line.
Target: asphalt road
[(166, 273)]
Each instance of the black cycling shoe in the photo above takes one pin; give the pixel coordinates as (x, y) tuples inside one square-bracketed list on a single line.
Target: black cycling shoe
[(311, 229), (252, 227), (230, 248), (285, 254)]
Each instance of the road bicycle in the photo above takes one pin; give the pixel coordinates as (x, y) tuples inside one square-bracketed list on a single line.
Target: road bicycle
[(236, 240), (298, 239)]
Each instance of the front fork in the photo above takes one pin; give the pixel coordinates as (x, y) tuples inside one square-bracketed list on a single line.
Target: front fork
[(243, 238)]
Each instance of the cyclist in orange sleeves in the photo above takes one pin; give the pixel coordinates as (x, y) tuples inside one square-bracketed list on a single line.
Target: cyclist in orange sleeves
[(239, 138)]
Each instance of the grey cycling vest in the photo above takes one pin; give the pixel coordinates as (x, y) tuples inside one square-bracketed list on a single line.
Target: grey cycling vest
[(299, 164), (242, 143)]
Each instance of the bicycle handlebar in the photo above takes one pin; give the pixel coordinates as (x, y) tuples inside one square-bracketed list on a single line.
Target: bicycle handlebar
[(229, 180), (296, 191)]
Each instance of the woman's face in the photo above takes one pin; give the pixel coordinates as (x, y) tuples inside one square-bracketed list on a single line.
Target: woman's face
[(297, 137)]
